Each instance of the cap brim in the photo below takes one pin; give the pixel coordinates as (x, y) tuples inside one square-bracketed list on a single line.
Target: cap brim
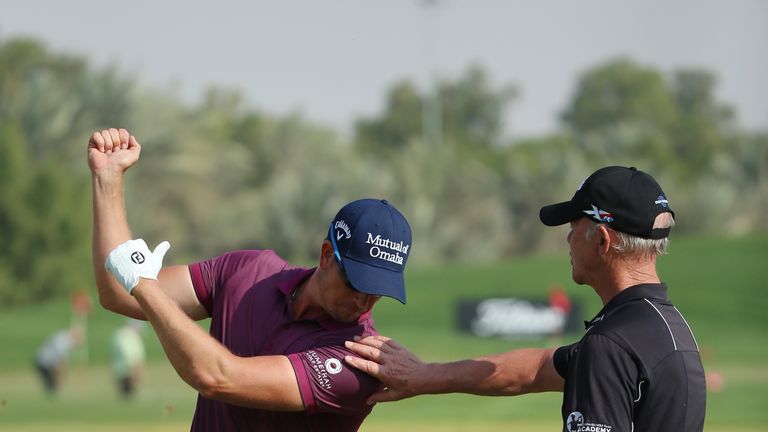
[(560, 213), (375, 280)]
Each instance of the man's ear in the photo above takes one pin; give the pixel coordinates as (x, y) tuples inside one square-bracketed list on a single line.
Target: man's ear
[(604, 236), (326, 255)]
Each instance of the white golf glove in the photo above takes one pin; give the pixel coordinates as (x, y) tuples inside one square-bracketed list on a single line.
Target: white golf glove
[(133, 260)]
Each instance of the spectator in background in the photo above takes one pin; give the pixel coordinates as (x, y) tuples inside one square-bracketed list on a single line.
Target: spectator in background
[(559, 300), (128, 357), (53, 354), (560, 303)]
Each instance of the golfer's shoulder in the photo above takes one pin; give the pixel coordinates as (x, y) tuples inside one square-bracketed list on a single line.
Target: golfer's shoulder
[(250, 257)]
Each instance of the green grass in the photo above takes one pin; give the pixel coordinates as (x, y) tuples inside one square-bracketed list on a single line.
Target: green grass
[(718, 283), (89, 396)]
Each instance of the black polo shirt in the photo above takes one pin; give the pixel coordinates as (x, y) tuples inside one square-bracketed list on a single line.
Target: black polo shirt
[(637, 368)]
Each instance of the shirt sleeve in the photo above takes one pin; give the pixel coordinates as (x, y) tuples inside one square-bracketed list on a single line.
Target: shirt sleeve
[(562, 357), (600, 385), (328, 385)]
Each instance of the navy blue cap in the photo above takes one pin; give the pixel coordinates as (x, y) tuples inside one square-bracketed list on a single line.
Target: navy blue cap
[(373, 242), (626, 199)]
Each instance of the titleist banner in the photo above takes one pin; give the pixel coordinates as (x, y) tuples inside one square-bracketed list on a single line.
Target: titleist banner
[(516, 317)]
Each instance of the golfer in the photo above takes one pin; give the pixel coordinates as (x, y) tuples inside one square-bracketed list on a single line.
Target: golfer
[(273, 360), (637, 367)]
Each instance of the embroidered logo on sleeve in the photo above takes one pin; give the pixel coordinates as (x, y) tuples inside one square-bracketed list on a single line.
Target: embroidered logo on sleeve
[(333, 366), (575, 423), (323, 368), (318, 367)]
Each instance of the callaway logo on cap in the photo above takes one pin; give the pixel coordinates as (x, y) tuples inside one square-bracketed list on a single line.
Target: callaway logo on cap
[(372, 241), (626, 199)]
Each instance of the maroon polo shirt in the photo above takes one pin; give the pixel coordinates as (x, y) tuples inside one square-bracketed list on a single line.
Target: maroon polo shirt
[(248, 296)]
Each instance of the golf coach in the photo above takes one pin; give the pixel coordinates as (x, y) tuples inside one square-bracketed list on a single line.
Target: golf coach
[(637, 367)]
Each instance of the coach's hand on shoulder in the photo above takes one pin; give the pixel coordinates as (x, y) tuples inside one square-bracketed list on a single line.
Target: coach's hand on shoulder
[(399, 370), (133, 260), (112, 151)]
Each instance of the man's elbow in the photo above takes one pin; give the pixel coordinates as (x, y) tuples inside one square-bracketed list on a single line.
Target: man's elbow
[(209, 389), (234, 394), (213, 388), (108, 302), (208, 384), (526, 385), (504, 385), (117, 305)]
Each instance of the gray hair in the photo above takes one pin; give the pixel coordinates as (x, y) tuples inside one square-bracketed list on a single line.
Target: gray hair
[(637, 246)]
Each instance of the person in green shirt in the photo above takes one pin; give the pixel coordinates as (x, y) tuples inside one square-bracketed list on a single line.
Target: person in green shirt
[(128, 356)]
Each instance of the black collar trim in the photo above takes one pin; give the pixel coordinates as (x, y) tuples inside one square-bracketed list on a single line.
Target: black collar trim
[(633, 293)]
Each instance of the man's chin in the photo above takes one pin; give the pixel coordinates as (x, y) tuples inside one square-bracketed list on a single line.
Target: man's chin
[(346, 318), (577, 279)]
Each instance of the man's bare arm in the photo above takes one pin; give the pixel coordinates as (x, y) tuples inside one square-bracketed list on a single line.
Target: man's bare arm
[(404, 375), (265, 382), (110, 153)]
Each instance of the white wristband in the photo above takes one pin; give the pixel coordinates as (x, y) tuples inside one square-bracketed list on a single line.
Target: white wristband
[(133, 260)]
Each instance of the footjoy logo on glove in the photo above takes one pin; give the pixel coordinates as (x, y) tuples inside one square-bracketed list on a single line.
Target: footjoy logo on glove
[(137, 257)]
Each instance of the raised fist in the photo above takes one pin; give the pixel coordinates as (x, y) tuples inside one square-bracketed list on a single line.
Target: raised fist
[(112, 150)]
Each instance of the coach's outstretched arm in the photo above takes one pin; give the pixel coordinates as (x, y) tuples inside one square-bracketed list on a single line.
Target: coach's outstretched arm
[(110, 153), (404, 375)]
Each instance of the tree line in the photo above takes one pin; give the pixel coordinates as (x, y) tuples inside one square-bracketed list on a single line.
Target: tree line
[(219, 174)]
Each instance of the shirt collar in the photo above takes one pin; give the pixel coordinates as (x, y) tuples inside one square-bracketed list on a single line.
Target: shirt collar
[(635, 292), (292, 277)]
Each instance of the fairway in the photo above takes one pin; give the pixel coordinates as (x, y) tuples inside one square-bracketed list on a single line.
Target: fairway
[(718, 283)]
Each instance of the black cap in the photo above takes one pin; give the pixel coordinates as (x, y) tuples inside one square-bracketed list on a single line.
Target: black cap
[(626, 199)]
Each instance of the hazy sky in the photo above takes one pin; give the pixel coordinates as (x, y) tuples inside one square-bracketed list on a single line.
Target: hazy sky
[(334, 59)]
